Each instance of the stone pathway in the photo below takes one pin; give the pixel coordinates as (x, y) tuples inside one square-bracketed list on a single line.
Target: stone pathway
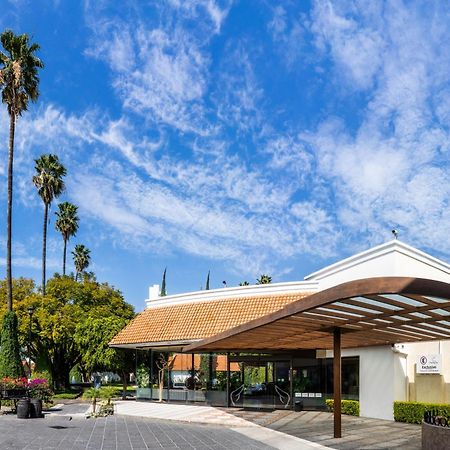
[(138, 426), (358, 432), (215, 416), (66, 428), (58, 431), (180, 412)]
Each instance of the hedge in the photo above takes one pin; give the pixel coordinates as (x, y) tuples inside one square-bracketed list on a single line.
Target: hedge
[(349, 407), (412, 412)]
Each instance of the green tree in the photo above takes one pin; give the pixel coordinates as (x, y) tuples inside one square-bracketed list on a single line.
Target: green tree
[(244, 283), (67, 224), (50, 185), (12, 340), (10, 361), (56, 317), (93, 335), (264, 279), (81, 259), (163, 284), (207, 282), (19, 84)]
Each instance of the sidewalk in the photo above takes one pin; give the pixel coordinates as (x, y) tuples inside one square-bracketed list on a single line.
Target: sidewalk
[(214, 416)]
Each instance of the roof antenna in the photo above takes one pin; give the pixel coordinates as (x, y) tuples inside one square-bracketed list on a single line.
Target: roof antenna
[(395, 233)]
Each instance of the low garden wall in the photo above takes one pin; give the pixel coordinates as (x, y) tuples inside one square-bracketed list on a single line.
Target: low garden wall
[(435, 437)]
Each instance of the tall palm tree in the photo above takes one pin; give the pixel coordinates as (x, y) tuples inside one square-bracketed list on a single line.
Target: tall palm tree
[(19, 84), (67, 224), (49, 183), (81, 259)]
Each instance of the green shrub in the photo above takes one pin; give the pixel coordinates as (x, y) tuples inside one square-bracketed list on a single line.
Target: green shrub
[(412, 412), (349, 407), (10, 361), (66, 395), (108, 392)]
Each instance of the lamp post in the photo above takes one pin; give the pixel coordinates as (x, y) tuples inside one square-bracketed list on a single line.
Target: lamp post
[(30, 313)]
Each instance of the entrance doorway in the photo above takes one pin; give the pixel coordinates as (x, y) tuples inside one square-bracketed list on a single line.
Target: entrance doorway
[(263, 384), (282, 381)]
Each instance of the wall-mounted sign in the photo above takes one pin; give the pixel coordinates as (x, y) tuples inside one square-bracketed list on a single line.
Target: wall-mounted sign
[(429, 364)]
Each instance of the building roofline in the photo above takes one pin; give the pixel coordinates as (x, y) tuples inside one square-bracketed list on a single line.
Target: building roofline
[(286, 288), (374, 252)]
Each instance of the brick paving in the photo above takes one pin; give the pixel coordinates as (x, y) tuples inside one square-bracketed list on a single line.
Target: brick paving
[(358, 432), (68, 430)]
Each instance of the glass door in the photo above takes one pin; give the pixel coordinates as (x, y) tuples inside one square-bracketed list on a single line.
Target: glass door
[(282, 385), (257, 378)]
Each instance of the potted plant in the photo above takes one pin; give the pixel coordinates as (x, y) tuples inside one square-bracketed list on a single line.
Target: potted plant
[(39, 392), (14, 387)]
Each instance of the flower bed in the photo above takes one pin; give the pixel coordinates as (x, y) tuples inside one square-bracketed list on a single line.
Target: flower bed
[(20, 387)]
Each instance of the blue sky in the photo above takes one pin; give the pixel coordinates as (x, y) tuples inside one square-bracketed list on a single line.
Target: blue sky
[(241, 137)]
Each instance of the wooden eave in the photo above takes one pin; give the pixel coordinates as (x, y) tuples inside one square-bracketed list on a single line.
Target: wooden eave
[(369, 312)]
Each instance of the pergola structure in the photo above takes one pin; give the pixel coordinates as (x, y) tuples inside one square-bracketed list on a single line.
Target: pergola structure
[(367, 312)]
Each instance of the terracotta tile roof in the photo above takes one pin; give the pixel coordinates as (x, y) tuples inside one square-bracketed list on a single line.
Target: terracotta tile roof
[(189, 321)]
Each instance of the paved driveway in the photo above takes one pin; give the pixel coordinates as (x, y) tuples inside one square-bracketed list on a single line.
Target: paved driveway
[(358, 433), (116, 432)]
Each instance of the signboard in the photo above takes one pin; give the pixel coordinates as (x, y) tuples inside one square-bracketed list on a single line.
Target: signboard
[(429, 364), (308, 394)]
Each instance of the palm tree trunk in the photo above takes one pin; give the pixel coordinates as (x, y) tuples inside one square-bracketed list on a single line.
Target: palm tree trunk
[(44, 247), (64, 256), (12, 127)]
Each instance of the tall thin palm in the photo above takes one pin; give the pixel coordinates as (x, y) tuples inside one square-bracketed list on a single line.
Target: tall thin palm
[(19, 84), (50, 185), (67, 224), (81, 259)]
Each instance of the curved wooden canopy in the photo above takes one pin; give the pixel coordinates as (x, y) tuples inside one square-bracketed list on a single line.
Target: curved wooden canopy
[(372, 311)]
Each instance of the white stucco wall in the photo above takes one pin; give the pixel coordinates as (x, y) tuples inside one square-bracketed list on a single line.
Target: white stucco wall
[(381, 380)]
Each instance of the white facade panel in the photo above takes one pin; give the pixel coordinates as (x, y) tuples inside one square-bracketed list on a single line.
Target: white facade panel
[(381, 380)]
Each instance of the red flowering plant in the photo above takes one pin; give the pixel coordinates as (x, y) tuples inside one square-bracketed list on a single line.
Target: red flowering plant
[(39, 388), (8, 383)]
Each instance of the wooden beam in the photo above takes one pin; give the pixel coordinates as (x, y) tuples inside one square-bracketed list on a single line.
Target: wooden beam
[(337, 382), (228, 379), (352, 289)]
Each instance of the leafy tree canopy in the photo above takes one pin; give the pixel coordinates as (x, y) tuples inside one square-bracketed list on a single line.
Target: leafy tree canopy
[(92, 336), (57, 317)]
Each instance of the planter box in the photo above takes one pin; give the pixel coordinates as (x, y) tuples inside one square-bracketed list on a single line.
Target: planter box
[(14, 393), (435, 437)]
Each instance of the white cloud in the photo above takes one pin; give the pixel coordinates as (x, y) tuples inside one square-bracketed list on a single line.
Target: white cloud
[(217, 11), (160, 70), (392, 170), (238, 95), (357, 47), (288, 32), (211, 205)]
